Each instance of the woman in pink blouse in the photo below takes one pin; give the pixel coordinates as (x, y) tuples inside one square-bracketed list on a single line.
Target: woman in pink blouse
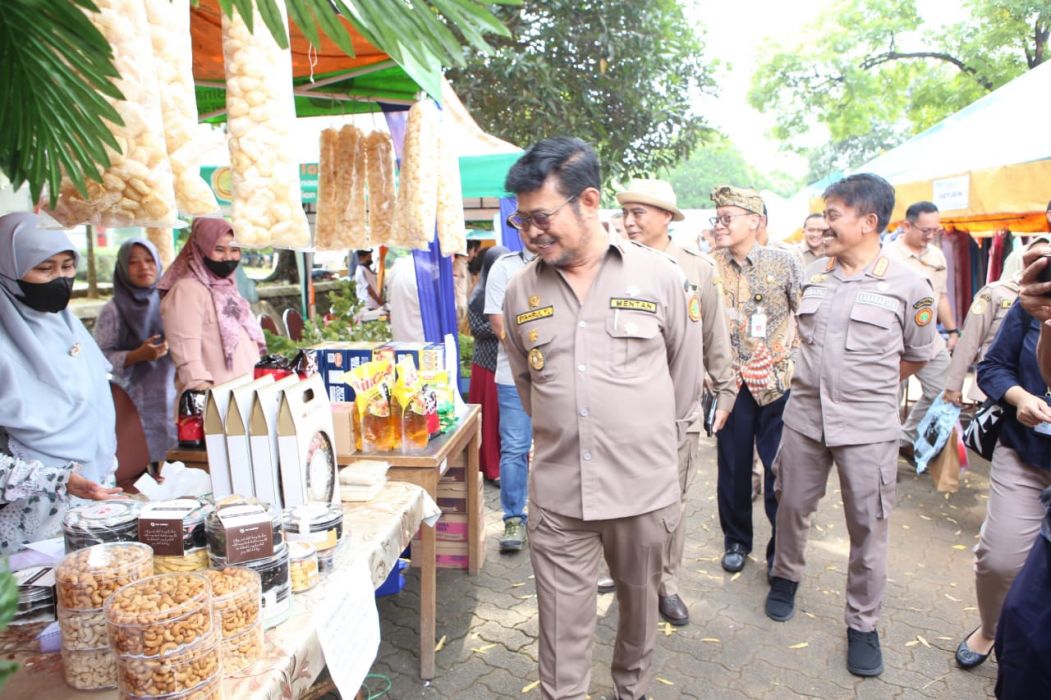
[(211, 332)]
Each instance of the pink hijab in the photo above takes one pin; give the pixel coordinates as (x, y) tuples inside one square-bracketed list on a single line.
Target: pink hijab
[(231, 308)]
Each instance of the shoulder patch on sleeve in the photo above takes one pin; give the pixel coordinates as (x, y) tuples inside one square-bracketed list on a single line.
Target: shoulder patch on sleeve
[(924, 316), (924, 302)]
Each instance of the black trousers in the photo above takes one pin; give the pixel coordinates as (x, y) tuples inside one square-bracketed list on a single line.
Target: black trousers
[(1023, 634), (749, 425)]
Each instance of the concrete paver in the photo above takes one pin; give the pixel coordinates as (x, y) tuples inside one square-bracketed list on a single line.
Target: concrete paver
[(730, 649)]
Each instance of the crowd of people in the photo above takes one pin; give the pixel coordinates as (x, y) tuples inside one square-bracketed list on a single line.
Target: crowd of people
[(624, 344)]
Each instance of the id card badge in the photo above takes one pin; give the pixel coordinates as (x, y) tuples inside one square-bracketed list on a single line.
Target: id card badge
[(757, 325)]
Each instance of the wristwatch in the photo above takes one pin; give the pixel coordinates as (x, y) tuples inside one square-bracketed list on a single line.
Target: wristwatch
[(953, 331)]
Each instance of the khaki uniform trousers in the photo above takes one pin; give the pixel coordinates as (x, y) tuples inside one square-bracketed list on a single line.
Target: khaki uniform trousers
[(689, 458), (565, 554), (1011, 525), (867, 478)]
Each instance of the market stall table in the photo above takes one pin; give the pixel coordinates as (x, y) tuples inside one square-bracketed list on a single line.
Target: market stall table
[(379, 531)]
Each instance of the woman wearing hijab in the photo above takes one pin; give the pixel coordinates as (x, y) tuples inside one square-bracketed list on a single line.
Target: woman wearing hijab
[(57, 425), (483, 368), (130, 333), (211, 332)]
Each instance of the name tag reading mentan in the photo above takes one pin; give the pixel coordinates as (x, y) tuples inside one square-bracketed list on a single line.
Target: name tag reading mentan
[(633, 305), (889, 303), (528, 316)]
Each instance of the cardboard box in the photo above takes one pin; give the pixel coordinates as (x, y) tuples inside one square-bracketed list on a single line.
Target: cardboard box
[(447, 555), (336, 358), (262, 440), (343, 423), (237, 416), (425, 356), (216, 408), (306, 445)]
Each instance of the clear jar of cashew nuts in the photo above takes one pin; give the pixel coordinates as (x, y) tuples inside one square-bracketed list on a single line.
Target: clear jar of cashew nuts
[(160, 615), (209, 690), (83, 629), (90, 669), (146, 676), (236, 596), (243, 650), (85, 578), (303, 566)]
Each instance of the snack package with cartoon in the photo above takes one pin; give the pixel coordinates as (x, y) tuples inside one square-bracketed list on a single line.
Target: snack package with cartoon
[(440, 397), (372, 383), (410, 408)]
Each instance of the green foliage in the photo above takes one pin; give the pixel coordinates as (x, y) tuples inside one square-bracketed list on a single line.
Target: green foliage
[(721, 163), (874, 73), (620, 74), (57, 72), (466, 354), (344, 305), (8, 607)]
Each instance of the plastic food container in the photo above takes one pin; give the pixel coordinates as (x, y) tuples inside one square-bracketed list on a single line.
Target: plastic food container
[(320, 524), (303, 566), (326, 559), (236, 599), (160, 615), (242, 514), (99, 523), (83, 629), (36, 595), (209, 690), (89, 669), (184, 670), (85, 578), (275, 583), (243, 649), (176, 532)]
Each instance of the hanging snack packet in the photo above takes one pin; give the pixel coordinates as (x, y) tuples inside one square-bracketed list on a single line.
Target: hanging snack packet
[(267, 205)]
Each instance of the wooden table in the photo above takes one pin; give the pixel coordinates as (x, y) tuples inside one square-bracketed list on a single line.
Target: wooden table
[(424, 470)]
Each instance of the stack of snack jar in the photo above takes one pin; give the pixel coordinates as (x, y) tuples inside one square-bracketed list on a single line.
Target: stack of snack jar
[(303, 566), (236, 607), (246, 532), (175, 530), (84, 580), (162, 632), (320, 524), (99, 523)]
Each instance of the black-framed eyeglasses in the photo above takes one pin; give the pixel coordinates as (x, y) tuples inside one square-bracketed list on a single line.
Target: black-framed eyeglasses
[(725, 219), (540, 219), (933, 231)]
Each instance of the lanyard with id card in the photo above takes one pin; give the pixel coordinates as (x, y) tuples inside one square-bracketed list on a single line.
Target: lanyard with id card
[(757, 324)]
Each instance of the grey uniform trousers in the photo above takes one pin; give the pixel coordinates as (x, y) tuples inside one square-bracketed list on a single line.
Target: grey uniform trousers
[(689, 456), (867, 477), (565, 555), (1011, 525)]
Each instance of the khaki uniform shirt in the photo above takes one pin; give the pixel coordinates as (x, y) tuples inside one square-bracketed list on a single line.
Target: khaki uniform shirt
[(716, 353), (854, 332), (931, 264), (766, 285), (612, 384), (983, 320), (809, 258)]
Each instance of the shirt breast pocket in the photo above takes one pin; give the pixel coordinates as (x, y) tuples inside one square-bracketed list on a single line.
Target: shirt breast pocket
[(633, 337), (806, 318), (872, 329), (539, 346)]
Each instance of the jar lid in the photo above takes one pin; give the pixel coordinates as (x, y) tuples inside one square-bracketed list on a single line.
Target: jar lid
[(298, 551), (279, 557), (35, 584), (192, 511), (313, 517), (103, 515), (111, 560)]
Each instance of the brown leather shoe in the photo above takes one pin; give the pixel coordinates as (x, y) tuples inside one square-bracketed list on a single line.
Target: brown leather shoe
[(673, 610)]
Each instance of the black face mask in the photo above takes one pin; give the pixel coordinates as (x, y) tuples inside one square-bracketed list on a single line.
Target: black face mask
[(223, 268), (50, 297)]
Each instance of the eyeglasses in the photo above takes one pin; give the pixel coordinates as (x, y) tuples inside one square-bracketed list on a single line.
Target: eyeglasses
[(931, 231), (542, 220), (725, 219), (811, 229)]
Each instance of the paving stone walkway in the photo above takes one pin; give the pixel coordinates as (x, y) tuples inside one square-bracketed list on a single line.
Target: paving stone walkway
[(730, 649)]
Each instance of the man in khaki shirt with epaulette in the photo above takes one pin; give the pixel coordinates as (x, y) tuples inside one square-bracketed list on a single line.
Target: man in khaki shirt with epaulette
[(649, 206), (601, 339), (865, 322), (987, 311)]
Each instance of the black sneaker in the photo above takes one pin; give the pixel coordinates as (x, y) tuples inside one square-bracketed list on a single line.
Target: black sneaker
[(864, 657), (781, 600)]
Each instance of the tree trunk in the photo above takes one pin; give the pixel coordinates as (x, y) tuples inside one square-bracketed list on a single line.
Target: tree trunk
[(93, 281)]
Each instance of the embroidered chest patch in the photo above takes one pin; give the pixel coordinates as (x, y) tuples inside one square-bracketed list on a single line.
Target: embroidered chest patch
[(873, 299)]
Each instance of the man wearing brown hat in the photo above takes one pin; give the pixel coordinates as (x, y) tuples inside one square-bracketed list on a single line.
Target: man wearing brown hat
[(649, 206), (761, 287)]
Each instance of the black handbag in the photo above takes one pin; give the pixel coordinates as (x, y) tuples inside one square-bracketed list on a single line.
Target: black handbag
[(984, 429)]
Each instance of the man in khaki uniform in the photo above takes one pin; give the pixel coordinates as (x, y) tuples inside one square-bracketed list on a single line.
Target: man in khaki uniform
[(987, 311), (813, 246), (649, 207), (914, 248), (865, 322), (600, 339)]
